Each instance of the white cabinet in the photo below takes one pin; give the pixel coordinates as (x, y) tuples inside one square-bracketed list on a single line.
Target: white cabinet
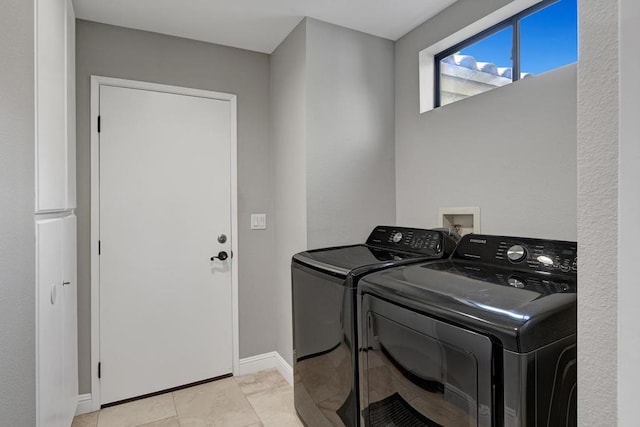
[(69, 319), (55, 105), (70, 52), (49, 346), (56, 348), (56, 302)]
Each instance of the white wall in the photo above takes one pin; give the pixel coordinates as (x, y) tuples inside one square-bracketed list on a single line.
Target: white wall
[(510, 151), (138, 55), (597, 211), (350, 134), (629, 215), (288, 136), (17, 231)]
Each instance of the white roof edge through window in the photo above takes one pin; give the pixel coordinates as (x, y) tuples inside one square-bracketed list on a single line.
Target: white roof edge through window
[(425, 58)]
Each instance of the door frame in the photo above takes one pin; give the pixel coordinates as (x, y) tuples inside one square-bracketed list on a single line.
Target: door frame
[(96, 82)]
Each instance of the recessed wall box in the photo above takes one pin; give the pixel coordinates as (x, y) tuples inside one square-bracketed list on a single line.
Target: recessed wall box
[(464, 220)]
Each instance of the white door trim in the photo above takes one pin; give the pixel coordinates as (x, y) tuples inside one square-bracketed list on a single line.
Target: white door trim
[(96, 81)]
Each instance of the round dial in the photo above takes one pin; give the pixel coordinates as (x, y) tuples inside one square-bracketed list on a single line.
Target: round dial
[(516, 253), (516, 282), (397, 237)]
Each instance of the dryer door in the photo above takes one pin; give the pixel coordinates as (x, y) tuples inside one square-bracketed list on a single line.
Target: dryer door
[(419, 371)]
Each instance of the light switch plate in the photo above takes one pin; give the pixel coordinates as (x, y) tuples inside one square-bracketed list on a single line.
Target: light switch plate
[(258, 221)]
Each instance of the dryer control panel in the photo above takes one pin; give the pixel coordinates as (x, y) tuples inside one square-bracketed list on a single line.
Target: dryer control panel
[(416, 240), (520, 253)]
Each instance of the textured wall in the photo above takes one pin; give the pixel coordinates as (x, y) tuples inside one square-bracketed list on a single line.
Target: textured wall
[(17, 230), (598, 211), (510, 151), (288, 135), (137, 55), (350, 134), (629, 226)]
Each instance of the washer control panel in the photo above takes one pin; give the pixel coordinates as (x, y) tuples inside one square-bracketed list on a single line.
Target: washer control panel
[(516, 253), (422, 241), (520, 253)]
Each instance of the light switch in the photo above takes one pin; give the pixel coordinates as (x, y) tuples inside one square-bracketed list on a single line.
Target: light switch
[(258, 221)]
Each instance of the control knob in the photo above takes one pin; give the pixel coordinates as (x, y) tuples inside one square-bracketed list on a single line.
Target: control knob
[(397, 237), (516, 253), (516, 282)]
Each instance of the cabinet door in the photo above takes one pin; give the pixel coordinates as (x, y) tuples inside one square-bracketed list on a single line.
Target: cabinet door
[(53, 75), (51, 94), (71, 105), (70, 319), (49, 348)]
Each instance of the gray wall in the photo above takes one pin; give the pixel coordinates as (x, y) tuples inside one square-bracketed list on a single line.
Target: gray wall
[(17, 230), (288, 136), (332, 132), (137, 55), (510, 151), (628, 224), (598, 115), (350, 134)]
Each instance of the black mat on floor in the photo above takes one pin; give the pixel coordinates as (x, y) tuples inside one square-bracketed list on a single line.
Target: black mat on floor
[(347, 410), (395, 411)]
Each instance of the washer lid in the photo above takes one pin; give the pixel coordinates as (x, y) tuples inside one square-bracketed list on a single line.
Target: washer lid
[(355, 259), (524, 311)]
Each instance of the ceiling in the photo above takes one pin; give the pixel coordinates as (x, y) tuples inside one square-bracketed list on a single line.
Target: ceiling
[(258, 25)]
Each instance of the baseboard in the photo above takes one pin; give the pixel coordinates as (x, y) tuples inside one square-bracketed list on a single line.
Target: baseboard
[(270, 360), (284, 368), (85, 404), (248, 365)]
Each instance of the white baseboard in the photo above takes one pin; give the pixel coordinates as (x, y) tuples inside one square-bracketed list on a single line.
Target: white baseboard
[(260, 362), (248, 365), (85, 404)]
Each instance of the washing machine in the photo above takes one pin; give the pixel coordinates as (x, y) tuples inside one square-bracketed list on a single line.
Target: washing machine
[(325, 339), (485, 338)]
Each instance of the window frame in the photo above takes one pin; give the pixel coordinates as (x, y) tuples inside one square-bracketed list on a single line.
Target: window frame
[(513, 21)]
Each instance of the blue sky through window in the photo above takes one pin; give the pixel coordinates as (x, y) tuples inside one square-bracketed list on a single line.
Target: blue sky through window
[(548, 39)]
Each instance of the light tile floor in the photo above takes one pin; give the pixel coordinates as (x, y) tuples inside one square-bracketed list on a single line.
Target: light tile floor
[(263, 399)]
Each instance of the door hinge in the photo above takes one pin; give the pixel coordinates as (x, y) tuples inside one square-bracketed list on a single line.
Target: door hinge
[(98, 124), (99, 247), (99, 369)]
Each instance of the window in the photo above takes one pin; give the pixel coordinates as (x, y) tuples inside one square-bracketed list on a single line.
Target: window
[(539, 39)]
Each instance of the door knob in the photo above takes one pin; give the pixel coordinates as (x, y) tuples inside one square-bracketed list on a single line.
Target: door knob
[(222, 255)]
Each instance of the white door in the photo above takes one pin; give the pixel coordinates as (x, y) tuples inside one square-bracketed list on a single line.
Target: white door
[(165, 307)]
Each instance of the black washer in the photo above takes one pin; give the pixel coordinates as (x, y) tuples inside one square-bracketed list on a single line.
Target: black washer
[(325, 341)]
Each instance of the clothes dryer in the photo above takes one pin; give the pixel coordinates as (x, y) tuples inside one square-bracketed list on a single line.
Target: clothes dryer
[(486, 338)]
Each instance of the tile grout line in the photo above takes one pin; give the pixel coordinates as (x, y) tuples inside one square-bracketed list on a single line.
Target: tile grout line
[(249, 402), (254, 410), (173, 398)]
